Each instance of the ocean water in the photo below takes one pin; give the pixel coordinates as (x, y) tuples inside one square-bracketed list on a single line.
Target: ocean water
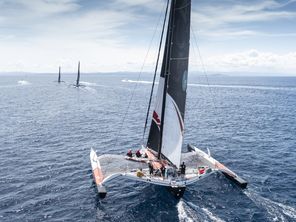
[(47, 130)]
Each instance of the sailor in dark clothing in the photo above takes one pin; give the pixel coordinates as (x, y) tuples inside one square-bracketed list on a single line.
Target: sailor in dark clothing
[(183, 168), (138, 153), (129, 153), (150, 168), (162, 169)]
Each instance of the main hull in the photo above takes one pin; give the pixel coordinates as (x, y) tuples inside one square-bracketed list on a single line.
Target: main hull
[(178, 192)]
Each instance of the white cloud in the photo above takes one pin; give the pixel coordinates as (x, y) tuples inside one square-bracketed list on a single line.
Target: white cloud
[(252, 61), (40, 35), (211, 20), (40, 7), (94, 36)]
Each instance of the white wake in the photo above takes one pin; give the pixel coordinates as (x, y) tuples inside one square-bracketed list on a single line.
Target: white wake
[(182, 213), (277, 211), (88, 83), (243, 87), (23, 82), (135, 81)]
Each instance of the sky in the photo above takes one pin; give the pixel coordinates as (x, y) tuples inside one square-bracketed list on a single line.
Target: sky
[(237, 36)]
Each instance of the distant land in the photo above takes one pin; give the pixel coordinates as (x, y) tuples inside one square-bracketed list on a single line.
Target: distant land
[(217, 74)]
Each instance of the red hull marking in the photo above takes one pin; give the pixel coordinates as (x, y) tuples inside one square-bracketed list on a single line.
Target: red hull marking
[(156, 118), (222, 167), (98, 176)]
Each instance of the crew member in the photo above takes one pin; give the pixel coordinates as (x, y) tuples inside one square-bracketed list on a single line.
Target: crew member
[(183, 168), (162, 169), (129, 153), (150, 168), (138, 153)]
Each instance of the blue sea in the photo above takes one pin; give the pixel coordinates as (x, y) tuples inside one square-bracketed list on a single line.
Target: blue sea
[(47, 130)]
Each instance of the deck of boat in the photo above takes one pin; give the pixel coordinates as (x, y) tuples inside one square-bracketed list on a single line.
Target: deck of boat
[(137, 168)]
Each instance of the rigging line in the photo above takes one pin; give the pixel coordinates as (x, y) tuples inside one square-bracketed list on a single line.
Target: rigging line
[(207, 80), (203, 67), (155, 71), (138, 78)]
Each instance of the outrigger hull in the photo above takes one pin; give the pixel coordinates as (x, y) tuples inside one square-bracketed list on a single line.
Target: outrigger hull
[(97, 174)]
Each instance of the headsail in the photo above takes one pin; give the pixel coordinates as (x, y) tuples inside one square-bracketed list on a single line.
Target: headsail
[(168, 137), (78, 75)]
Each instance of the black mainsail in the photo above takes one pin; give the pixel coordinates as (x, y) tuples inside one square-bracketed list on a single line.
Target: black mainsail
[(78, 75), (167, 127)]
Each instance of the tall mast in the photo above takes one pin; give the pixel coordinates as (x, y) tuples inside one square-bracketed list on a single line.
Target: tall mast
[(166, 75), (78, 75), (156, 66)]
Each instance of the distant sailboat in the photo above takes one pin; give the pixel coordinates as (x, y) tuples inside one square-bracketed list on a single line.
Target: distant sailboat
[(59, 78), (161, 162), (78, 75)]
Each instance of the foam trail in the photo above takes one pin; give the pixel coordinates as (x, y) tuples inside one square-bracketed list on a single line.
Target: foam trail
[(89, 89), (212, 216), (88, 83), (243, 87), (221, 86), (23, 82), (277, 211), (182, 214), (134, 81), (205, 213)]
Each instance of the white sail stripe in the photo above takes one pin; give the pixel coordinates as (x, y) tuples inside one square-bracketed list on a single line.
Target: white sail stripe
[(172, 134), (179, 114)]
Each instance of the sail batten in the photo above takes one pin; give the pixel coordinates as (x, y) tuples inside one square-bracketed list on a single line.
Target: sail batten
[(166, 131)]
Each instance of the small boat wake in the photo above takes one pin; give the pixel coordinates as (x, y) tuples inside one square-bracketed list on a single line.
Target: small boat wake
[(23, 83), (220, 85), (88, 83), (135, 81), (89, 89), (243, 87), (276, 211)]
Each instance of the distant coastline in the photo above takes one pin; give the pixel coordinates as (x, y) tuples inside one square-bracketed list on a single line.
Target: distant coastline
[(192, 73)]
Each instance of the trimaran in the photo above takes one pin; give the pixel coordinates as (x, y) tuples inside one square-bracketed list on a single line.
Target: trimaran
[(160, 159)]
